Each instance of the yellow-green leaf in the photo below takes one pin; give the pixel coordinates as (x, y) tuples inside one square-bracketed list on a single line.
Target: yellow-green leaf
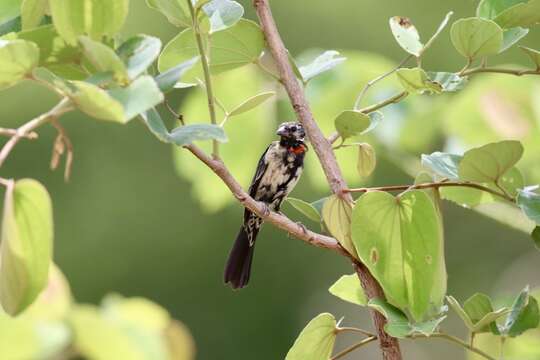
[(476, 37), (26, 247), (533, 54), (416, 81), (104, 58), (17, 59), (97, 103), (32, 11), (367, 160), (336, 214), (252, 103), (348, 288), (351, 122), (316, 341)]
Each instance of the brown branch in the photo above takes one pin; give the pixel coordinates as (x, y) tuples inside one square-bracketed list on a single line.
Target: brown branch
[(26, 129), (323, 148), (12, 132), (435, 185), (279, 220)]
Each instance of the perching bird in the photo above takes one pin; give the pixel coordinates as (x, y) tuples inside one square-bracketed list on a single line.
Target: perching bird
[(277, 173)]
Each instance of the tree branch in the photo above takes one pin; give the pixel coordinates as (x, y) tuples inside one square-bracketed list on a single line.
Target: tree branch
[(323, 148), (63, 106)]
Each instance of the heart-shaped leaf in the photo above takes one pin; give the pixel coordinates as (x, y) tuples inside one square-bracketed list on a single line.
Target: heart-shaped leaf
[(351, 122), (17, 59), (349, 288), (476, 37), (525, 14), (176, 11), (336, 214), (316, 341)]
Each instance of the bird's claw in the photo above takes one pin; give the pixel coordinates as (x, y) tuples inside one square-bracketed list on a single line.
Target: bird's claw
[(266, 210)]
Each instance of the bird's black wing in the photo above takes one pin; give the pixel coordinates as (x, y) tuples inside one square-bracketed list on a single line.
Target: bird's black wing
[(254, 186)]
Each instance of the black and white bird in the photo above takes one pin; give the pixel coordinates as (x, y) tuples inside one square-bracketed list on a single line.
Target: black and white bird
[(277, 173)]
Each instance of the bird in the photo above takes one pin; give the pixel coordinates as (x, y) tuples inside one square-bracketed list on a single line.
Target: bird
[(277, 173)]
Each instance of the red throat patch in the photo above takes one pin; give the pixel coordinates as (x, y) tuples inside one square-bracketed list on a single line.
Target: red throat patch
[(300, 149)]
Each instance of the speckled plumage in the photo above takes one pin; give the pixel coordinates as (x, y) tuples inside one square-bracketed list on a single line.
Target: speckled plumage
[(277, 173)]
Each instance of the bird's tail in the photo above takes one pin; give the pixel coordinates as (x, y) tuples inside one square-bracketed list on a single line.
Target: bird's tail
[(238, 265)]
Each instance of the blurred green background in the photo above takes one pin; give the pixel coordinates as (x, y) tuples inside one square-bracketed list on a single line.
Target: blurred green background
[(127, 223)]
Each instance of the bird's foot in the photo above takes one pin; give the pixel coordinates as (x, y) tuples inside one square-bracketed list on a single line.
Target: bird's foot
[(266, 210)]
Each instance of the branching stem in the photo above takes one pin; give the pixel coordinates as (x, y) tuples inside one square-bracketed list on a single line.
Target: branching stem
[(353, 347)]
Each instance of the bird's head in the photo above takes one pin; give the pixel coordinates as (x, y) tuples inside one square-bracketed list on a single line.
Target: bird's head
[(291, 131)]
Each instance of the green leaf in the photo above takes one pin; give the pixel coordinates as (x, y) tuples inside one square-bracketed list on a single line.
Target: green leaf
[(524, 315), (55, 54), (324, 62), (316, 341), (185, 135), (103, 58), (17, 59), (454, 304), (442, 164), (305, 208), (155, 124), (96, 102), (319, 204), (533, 54), (449, 82), (367, 160), (32, 12), (385, 230), (169, 79), (94, 18), (406, 35), (26, 250), (9, 10), (522, 14), (336, 214), (9, 28), (416, 81), (489, 162), (480, 311), (139, 96), (351, 122), (476, 37), (176, 11), (222, 14), (348, 288), (535, 234), (251, 103), (512, 36), (529, 202), (233, 47), (138, 53), (489, 9)]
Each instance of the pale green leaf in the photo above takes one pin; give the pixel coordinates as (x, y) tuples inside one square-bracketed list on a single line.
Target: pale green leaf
[(449, 82), (336, 214), (480, 311), (476, 37), (533, 54), (32, 12), (138, 53), (522, 14), (406, 35), (138, 97), (512, 36), (349, 288), (155, 124), (97, 103), (397, 322), (9, 10), (305, 208), (442, 164), (169, 79), (251, 103), (26, 247), (385, 229), (17, 59), (324, 62), (454, 304), (524, 315), (186, 135), (416, 81), (222, 14), (94, 18), (529, 202), (489, 9), (316, 341), (489, 162), (103, 58), (367, 160), (351, 122), (176, 11)]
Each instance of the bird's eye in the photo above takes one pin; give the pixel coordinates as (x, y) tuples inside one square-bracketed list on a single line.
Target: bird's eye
[(293, 128)]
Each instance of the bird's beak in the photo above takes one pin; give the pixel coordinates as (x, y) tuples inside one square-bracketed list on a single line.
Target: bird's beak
[(282, 131)]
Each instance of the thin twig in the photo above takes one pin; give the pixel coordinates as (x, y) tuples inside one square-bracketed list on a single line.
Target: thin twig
[(63, 106), (207, 76), (353, 347), (353, 329), (176, 115), (372, 82), (516, 72), (455, 340), (432, 185), (11, 132), (61, 144), (391, 100)]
